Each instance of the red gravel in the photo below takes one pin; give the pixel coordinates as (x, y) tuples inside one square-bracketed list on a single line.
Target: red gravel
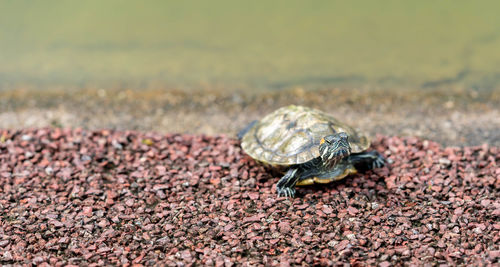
[(106, 197)]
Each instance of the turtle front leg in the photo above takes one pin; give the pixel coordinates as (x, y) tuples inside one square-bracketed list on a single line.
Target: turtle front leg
[(367, 160), (286, 185)]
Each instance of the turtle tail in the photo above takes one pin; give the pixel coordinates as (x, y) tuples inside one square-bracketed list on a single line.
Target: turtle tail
[(246, 129)]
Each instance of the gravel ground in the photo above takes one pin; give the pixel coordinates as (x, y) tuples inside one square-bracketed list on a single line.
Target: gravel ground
[(122, 197)]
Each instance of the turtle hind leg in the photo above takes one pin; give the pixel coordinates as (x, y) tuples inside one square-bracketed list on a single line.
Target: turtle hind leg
[(286, 185), (246, 129), (367, 160)]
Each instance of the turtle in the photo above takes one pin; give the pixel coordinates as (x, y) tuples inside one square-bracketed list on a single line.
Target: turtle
[(308, 146)]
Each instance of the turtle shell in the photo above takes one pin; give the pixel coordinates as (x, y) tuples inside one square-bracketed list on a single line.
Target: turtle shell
[(291, 135)]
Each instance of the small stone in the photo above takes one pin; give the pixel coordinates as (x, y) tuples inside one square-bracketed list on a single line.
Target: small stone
[(352, 210), (49, 170), (494, 254), (284, 227), (327, 210), (87, 211), (255, 218), (7, 256), (342, 245), (38, 260), (301, 207), (4, 243), (332, 243), (103, 223), (253, 195), (168, 227), (214, 168), (129, 202), (351, 236), (485, 202), (445, 162), (56, 223)]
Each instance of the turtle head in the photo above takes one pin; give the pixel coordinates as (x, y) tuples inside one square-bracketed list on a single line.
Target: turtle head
[(333, 148)]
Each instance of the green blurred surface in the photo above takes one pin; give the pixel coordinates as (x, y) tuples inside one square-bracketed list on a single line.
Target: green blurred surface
[(254, 44)]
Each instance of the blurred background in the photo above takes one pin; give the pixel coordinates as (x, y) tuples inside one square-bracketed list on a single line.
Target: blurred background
[(424, 68)]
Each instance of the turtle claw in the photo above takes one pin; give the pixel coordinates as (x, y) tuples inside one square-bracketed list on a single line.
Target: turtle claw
[(379, 162), (286, 185), (286, 192)]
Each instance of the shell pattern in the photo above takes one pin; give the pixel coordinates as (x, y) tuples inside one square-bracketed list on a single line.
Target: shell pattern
[(291, 135)]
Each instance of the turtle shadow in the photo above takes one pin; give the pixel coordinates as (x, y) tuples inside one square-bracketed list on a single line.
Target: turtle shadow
[(345, 186)]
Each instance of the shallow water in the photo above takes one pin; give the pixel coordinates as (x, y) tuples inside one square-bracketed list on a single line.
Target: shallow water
[(235, 46)]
